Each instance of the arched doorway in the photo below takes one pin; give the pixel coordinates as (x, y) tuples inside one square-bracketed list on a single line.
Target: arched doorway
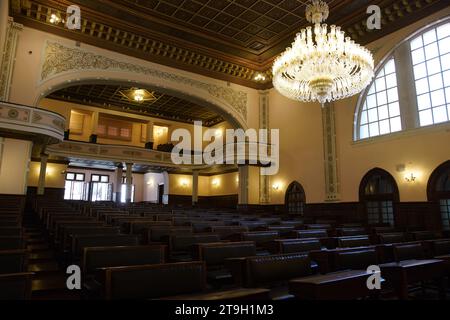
[(378, 192), (295, 199), (439, 191)]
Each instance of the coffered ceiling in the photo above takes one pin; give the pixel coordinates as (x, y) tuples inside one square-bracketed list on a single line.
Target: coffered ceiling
[(163, 106), (233, 40)]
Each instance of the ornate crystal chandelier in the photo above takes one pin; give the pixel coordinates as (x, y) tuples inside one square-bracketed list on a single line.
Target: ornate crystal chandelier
[(322, 65)]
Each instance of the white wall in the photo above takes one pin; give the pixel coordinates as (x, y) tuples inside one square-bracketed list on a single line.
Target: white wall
[(14, 164), (152, 181)]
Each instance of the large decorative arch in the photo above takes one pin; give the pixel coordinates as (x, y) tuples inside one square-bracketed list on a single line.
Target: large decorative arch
[(379, 193), (295, 198), (65, 66)]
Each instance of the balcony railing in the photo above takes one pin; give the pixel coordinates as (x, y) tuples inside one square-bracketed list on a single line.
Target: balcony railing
[(30, 121)]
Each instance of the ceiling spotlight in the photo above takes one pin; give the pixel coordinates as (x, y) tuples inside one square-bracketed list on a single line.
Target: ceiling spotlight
[(54, 19), (260, 77), (138, 95)]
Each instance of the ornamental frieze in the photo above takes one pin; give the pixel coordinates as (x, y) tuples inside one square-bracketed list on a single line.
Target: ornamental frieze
[(59, 59)]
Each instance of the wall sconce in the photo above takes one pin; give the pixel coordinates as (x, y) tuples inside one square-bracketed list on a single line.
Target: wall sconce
[(184, 183), (218, 133), (411, 178), (215, 183), (276, 186), (150, 182)]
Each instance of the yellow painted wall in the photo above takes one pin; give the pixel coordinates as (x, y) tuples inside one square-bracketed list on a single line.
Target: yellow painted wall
[(14, 161), (55, 177), (226, 184), (420, 150)]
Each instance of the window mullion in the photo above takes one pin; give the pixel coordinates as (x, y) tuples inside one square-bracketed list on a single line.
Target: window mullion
[(406, 87)]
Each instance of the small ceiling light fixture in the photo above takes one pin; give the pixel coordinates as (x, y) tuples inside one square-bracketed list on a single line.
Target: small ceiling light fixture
[(323, 64), (411, 178), (138, 95), (259, 77), (54, 19)]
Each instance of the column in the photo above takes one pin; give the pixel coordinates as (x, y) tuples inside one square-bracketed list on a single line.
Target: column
[(264, 180), (332, 186), (118, 186), (149, 141), (94, 123), (8, 57), (42, 174), (195, 187), (243, 185), (129, 185)]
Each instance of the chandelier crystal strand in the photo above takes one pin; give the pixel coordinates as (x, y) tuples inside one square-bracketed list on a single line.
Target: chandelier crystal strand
[(322, 65)]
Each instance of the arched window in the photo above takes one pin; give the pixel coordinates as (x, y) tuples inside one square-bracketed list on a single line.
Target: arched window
[(295, 199), (380, 113), (378, 192), (411, 88), (430, 53), (439, 191)]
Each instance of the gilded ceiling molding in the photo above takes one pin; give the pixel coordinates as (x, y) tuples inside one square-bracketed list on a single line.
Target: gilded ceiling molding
[(60, 59)]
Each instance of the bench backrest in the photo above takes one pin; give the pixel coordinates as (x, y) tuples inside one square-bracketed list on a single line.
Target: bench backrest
[(276, 268), (304, 234), (347, 232), (441, 247), (298, 245), (11, 243), (408, 251), (154, 281), (11, 231), (185, 242), (352, 242), (389, 238), (424, 235), (15, 286), (162, 232), (356, 260), (13, 261), (79, 242), (228, 231), (260, 237), (102, 257), (215, 254)]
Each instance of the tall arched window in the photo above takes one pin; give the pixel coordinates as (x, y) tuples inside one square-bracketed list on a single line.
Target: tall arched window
[(430, 53), (378, 192), (381, 110), (411, 88), (439, 191), (295, 199)]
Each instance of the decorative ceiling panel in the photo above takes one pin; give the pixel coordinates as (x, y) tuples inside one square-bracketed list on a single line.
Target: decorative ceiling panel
[(163, 106), (233, 40)]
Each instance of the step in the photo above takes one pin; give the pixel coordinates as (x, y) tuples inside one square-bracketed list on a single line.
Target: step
[(49, 266), (37, 247), (46, 282), (42, 255), (39, 240)]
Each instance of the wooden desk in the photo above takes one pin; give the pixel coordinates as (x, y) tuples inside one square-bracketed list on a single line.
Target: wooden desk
[(403, 273), (343, 285), (238, 294)]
